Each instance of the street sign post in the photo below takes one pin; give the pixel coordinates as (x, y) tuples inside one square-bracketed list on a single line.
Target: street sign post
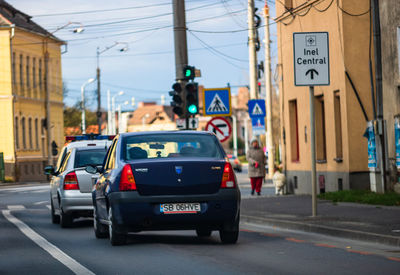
[(217, 102), (256, 108), (220, 127), (193, 123), (258, 126), (311, 68), (311, 58)]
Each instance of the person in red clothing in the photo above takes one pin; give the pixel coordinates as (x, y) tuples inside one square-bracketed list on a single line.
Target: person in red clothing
[(256, 159)]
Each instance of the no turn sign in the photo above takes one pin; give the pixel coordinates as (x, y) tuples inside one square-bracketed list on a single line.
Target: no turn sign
[(220, 127)]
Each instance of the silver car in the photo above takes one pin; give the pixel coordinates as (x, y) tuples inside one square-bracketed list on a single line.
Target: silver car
[(71, 185)]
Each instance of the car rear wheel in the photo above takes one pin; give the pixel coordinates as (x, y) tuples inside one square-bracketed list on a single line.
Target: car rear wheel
[(116, 238), (100, 230), (202, 233), (230, 234), (54, 218), (65, 219)]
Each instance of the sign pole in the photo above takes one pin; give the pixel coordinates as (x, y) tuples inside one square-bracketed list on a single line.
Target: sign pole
[(313, 161)]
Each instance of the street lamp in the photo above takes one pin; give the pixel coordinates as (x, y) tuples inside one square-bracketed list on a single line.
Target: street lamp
[(98, 53), (114, 131), (83, 124), (120, 130)]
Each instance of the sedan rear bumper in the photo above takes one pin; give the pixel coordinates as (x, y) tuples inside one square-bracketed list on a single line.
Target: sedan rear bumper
[(133, 212), (75, 201)]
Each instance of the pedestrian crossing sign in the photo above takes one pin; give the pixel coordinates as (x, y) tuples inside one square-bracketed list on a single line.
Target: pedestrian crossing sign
[(217, 102), (257, 108)]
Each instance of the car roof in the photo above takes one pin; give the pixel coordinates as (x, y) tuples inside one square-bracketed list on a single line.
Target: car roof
[(181, 132)]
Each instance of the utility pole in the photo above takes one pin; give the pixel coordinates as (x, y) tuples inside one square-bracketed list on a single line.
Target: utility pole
[(380, 123), (98, 113), (109, 113), (180, 42), (268, 93), (252, 50)]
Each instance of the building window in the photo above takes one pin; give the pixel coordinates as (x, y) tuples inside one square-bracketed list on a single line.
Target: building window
[(30, 133), (16, 133), (294, 131), (28, 83), (13, 69), (21, 74), (338, 126), (37, 133), (34, 76), (320, 133), (40, 74), (23, 133)]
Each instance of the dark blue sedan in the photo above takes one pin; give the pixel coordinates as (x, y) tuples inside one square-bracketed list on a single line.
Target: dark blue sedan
[(180, 180)]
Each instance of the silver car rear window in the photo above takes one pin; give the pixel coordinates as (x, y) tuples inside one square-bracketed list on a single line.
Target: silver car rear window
[(87, 157)]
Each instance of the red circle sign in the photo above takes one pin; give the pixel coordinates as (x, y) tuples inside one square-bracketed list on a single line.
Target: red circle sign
[(220, 127)]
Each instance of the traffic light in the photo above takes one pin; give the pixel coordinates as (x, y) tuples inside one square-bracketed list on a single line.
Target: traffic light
[(192, 99), (188, 72), (177, 101)]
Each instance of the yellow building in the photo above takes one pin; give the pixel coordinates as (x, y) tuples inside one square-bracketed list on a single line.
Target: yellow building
[(26, 85), (341, 149)]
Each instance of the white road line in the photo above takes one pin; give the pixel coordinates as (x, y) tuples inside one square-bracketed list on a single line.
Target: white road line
[(48, 206), (28, 188), (40, 202), (16, 207), (54, 251)]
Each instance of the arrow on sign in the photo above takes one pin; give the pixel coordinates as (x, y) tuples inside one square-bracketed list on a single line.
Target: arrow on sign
[(312, 71)]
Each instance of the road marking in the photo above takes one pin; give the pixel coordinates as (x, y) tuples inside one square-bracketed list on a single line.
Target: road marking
[(325, 245), (295, 240), (360, 252), (28, 188), (48, 206), (16, 207), (40, 202), (54, 251), (394, 259)]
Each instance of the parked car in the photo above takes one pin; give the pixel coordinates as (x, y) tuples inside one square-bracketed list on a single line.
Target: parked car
[(235, 162), (178, 180), (71, 185)]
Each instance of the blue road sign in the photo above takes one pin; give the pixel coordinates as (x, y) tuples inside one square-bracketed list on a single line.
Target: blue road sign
[(258, 126), (257, 108), (217, 102)]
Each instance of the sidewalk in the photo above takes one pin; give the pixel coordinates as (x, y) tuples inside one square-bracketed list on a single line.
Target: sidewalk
[(380, 224)]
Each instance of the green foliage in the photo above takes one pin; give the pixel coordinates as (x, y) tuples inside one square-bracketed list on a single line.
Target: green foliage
[(362, 196), (73, 116), (240, 143), (242, 159)]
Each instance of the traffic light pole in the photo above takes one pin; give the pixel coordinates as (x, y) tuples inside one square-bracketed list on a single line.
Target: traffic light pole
[(181, 55), (252, 51)]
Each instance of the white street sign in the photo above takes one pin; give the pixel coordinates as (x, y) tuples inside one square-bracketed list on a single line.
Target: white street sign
[(220, 127), (180, 123), (311, 58)]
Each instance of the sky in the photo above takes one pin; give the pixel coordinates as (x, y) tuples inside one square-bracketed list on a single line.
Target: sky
[(217, 44)]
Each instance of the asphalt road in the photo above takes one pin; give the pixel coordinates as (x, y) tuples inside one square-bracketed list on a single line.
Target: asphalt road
[(31, 244)]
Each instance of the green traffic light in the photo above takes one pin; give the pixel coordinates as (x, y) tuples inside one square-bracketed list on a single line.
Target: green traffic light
[(188, 73), (192, 109)]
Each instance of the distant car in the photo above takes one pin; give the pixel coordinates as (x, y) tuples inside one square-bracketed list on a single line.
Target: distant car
[(166, 181), (71, 185), (235, 162)]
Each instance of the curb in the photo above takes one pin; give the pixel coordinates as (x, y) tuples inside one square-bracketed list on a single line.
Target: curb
[(326, 230)]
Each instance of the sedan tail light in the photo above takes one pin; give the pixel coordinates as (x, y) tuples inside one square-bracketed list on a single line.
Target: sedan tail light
[(228, 177), (71, 181), (127, 181)]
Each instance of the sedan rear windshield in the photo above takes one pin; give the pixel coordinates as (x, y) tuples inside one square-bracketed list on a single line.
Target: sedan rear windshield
[(171, 146), (89, 157)]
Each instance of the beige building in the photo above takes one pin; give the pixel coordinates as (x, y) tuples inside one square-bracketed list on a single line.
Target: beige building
[(341, 149), (23, 138), (151, 117)]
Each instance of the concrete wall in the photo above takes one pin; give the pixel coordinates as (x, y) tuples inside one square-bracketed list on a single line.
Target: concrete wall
[(390, 22)]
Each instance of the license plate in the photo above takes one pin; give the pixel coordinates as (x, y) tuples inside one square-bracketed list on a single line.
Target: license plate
[(180, 208)]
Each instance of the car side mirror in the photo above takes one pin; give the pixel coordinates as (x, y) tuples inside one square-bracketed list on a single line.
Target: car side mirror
[(49, 170), (91, 169)]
